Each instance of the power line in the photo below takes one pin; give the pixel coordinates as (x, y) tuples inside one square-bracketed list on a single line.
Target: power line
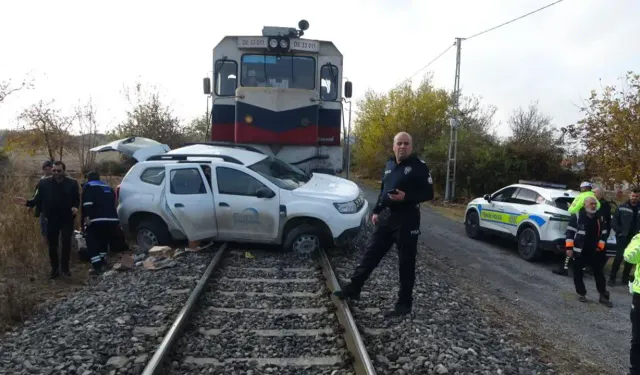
[(426, 66), (513, 20)]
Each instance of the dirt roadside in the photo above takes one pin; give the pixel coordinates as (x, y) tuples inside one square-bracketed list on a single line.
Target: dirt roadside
[(579, 338)]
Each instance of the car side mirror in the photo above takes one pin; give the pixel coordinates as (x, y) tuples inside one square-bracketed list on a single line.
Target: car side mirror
[(487, 197), (265, 192)]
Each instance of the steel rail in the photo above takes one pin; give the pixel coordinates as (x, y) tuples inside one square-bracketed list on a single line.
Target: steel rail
[(363, 364), (154, 366)]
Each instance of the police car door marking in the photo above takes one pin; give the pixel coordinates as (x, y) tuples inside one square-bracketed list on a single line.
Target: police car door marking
[(509, 218)]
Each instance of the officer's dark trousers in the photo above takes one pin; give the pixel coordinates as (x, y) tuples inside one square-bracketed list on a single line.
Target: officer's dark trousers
[(615, 267), (403, 229), (57, 227), (596, 261), (99, 235), (635, 335)]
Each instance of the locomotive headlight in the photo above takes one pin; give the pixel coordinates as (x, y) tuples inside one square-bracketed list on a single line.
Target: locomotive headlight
[(273, 43), (284, 44)]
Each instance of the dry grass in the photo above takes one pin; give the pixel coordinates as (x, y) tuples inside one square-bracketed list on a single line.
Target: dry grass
[(24, 260)]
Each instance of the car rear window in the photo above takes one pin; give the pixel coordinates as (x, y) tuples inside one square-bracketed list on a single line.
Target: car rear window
[(563, 203)]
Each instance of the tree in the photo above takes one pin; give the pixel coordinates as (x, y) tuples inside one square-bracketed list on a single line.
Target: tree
[(198, 129), (45, 128), (422, 113), (149, 118), (609, 131), (86, 135), (7, 88), (531, 129)]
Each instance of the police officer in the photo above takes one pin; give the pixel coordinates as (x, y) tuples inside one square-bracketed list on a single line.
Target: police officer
[(626, 223), (100, 217), (632, 256), (406, 183)]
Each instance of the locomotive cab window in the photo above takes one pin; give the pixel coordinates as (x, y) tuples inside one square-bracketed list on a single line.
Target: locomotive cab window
[(329, 82), (226, 77), (284, 71)]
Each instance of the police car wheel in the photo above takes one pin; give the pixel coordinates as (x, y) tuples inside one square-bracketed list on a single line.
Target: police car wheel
[(472, 225), (303, 239), (528, 244)]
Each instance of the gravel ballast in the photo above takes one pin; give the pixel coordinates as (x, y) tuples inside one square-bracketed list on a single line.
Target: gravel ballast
[(112, 326), (246, 318), (447, 332)]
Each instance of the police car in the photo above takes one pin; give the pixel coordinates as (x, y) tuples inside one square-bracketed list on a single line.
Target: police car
[(535, 214), (215, 191)]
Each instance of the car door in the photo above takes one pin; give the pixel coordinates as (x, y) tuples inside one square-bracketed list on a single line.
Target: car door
[(492, 214), (190, 200), (240, 214), (519, 205)]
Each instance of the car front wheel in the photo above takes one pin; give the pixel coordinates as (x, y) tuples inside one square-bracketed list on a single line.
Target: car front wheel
[(303, 239), (472, 225)]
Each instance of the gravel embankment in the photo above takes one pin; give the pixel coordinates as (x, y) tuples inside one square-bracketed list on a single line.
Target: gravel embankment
[(447, 334), (112, 326), (258, 312)]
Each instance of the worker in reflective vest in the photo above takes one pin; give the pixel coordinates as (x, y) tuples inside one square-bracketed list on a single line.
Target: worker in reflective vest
[(632, 255)]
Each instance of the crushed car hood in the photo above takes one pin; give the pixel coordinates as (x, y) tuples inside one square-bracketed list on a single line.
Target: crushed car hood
[(324, 186)]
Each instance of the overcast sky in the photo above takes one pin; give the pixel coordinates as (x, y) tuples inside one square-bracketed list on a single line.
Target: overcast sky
[(77, 49)]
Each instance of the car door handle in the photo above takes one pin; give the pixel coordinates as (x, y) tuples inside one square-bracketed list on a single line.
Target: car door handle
[(500, 209), (178, 205), (223, 204)]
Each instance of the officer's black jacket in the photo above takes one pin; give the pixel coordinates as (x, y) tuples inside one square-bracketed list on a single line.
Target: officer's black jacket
[(412, 176), (43, 198), (623, 218), (98, 202), (605, 212)]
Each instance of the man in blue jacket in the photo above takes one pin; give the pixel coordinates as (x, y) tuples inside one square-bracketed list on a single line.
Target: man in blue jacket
[(406, 183)]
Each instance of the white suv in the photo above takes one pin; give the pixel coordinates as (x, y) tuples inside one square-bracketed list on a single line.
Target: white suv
[(229, 192), (535, 214)]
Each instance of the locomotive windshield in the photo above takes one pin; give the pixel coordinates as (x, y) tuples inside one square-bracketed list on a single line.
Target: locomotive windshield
[(284, 71)]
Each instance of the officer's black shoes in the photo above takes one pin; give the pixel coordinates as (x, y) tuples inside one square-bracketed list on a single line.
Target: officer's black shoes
[(561, 272), (604, 299), (582, 298), (66, 273), (54, 274), (347, 292), (399, 310)]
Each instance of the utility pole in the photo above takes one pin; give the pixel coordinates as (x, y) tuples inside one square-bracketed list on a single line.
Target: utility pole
[(450, 187)]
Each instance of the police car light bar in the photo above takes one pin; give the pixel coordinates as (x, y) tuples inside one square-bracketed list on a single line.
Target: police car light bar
[(543, 184)]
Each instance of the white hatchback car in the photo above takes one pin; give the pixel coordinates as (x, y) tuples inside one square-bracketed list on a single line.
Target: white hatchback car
[(229, 192), (533, 213)]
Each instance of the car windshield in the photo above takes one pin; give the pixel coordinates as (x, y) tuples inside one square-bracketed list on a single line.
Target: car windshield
[(285, 176)]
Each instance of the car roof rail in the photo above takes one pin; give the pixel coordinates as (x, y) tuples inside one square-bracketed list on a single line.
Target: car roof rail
[(183, 157), (225, 144), (550, 185)]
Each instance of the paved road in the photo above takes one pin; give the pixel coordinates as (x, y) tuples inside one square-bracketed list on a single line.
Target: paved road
[(549, 299)]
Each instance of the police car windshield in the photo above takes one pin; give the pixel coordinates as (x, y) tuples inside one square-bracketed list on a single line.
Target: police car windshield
[(284, 175)]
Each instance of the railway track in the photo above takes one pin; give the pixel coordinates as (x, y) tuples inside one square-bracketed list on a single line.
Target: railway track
[(263, 313)]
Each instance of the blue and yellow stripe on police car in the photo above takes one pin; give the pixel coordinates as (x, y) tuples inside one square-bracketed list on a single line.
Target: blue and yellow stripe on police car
[(508, 218)]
